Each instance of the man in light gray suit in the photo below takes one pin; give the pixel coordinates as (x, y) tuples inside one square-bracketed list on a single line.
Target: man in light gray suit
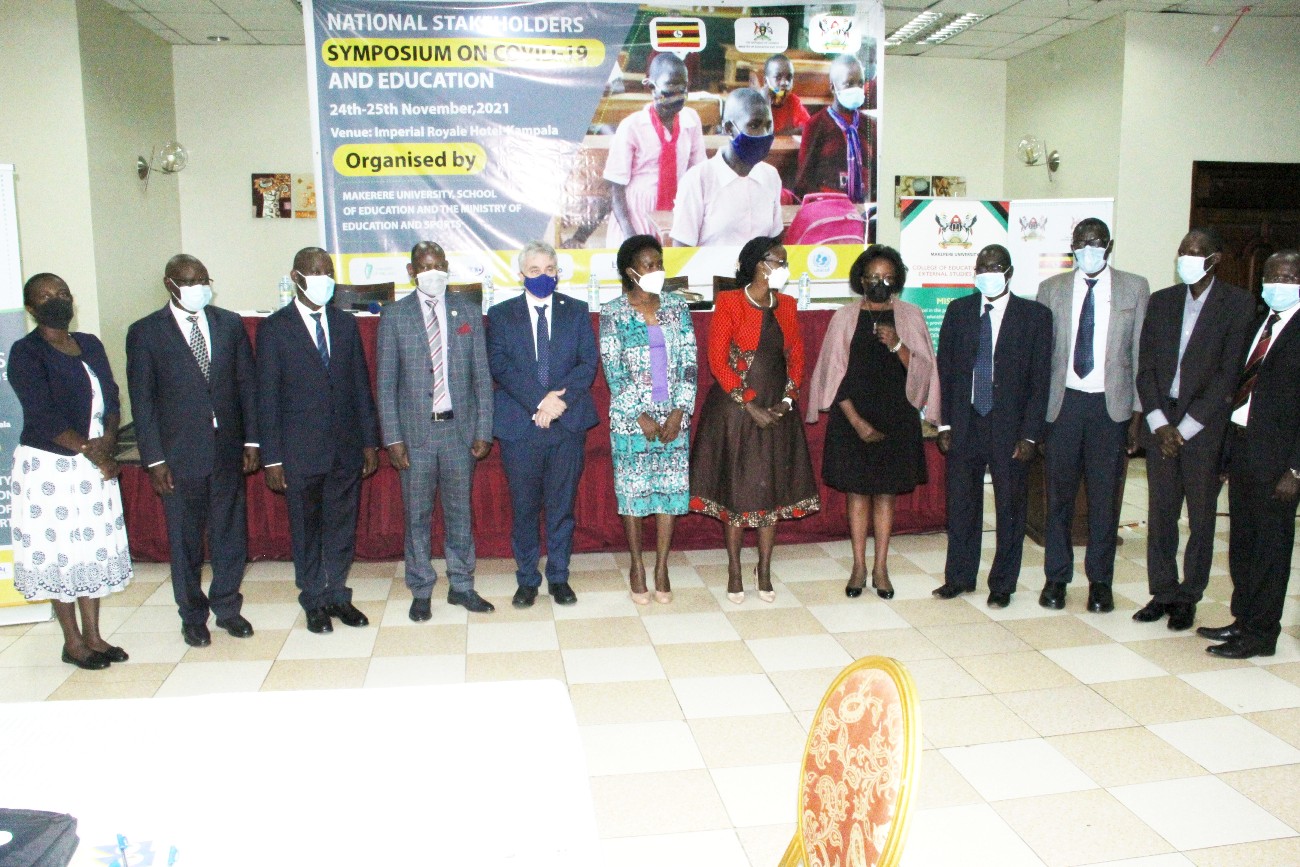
[(1093, 410), (435, 409)]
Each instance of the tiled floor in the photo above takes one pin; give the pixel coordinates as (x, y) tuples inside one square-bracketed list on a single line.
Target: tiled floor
[(1052, 738)]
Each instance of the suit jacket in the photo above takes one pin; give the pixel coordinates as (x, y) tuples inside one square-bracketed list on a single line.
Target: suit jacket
[(405, 382), (1211, 364), (312, 417), (1129, 294), (1022, 361), (173, 405), (574, 357), (1271, 444)]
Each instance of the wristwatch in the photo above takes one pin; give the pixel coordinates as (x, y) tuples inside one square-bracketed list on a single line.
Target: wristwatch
[(1295, 474), (789, 403), (897, 346)]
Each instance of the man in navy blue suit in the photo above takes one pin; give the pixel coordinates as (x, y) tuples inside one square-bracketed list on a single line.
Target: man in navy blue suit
[(995, 360), (543, 355), (319, 434), (194, 399)]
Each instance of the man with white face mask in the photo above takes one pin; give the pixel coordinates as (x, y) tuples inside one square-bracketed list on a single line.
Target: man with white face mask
[(1093, 411), (435, 411), (1189, 360), (319, 437), (1263, 449), (194, 400), (995, 356)]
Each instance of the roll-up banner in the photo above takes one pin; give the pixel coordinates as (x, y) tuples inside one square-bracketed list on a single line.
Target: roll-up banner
[(482, 126), (1039, 233)]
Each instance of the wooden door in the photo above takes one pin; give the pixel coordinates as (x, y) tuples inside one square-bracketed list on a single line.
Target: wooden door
[(1254, 206)]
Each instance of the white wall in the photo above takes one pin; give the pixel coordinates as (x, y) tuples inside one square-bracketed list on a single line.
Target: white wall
[(43, 133), (1244, 107), (942, 117), (241, 110), (127, 83)]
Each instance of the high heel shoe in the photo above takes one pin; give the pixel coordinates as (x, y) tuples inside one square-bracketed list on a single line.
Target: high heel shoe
[(663, 597), (639, 597), (768, 596), (94, 660), (882, 592), (850, 590)]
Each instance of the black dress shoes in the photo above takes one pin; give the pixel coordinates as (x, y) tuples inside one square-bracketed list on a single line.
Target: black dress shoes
[(950, 591), (196, 634), (1100, 600), (318, 621), (1219, 633), (237, 626), (1053, 595), (471, 601), (114, 654), (1181, 616), (420, 610), (1241, 647), (92, 661), (350, 614), (562, 594), (1151, 612), (999, 600), (524, 597)]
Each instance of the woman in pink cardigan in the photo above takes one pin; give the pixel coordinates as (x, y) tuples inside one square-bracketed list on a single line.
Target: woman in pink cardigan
[(875, 372)]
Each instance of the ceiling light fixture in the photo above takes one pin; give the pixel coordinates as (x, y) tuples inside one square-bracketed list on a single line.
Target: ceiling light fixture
[(218, 39), (920, 24), (952, 28)]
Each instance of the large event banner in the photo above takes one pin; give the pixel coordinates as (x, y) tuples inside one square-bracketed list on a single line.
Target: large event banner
[(485, 125), (13, 325), (939, 239), (1040, 232)]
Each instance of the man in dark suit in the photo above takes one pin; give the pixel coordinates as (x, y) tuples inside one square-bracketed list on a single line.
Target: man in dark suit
[(435, 410), (1188, 364), (543, 354), (995, 355), (1264, 470), (319, 437), (194, 398), (1092, 407)]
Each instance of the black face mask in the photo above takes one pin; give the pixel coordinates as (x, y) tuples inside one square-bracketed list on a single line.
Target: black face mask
[(54, 313), (877, 293)]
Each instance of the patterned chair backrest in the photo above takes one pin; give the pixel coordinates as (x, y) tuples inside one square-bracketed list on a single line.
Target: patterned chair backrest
[(857, 780)]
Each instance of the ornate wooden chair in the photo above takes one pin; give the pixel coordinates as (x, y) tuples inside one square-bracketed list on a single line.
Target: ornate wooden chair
[(360, 297), (858, 778)]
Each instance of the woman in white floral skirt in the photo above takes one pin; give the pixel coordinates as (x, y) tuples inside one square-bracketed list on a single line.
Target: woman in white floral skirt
[(69, 537)]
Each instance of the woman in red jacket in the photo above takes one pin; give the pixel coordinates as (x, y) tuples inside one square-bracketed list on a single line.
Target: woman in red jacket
[(749, 462)]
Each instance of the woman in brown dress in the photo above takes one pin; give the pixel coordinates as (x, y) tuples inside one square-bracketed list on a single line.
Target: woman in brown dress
[(749, 461)]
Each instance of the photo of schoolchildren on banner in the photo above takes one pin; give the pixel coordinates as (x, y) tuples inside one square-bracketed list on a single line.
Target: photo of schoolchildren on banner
[(484, 126)]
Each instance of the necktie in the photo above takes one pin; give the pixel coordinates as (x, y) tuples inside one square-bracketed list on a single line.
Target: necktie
[(543, 347), (1083, 361), (983, 387), (321, 346), (199, 347), (1246, 384), (435, 355)]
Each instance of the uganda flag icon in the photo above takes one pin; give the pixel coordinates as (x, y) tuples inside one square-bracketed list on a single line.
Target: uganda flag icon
[(677, 35)]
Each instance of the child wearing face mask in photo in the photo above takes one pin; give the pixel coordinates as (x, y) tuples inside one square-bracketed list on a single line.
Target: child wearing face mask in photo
[(788, 113), (651, 151), (732, 196), (838, 149)]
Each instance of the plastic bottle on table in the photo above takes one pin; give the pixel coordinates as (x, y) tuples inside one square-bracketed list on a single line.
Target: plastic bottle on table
[(805, 291), (489, 289), (593, 294), (286, 291)]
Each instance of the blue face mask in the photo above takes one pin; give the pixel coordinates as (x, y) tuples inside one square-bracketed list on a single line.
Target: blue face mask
[(750, 149), (1090, 259), (851, 98), (319, 289), (1281, 296), (991, 284), (194, 297), (540, 286)]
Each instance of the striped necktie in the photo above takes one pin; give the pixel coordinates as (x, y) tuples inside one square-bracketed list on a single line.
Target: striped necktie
[(434, 330), (199, 347), (322, 345), (1246, 384)]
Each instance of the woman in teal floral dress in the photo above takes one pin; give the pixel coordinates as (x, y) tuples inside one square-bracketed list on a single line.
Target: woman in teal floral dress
[(647, 346)]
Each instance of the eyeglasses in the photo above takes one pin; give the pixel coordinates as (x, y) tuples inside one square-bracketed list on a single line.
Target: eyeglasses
[(777, 263), (1089, 242), (991, 269), (888, 282)]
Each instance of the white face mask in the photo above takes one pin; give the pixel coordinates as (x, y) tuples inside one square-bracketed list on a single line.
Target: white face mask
[(1090, 259), (851, 98), (193, 298), (319, 289), (432, 283), (1281, 296), (778, 277), (1191, 268), (652, 282), (991, 283)]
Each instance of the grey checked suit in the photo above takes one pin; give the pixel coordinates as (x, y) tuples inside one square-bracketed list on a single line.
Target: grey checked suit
[(439, 450)]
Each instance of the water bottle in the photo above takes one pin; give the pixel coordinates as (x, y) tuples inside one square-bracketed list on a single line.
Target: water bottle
[(593, 293), (489, 289), (805, 291), (286, 291)]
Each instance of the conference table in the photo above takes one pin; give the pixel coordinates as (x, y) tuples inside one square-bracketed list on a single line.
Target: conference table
[(598, 526)]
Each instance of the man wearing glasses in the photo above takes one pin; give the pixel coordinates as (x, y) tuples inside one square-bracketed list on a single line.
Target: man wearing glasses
[(1093, 411), (194, 399)]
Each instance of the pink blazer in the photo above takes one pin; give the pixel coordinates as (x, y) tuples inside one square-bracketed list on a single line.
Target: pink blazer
[(922, 373)]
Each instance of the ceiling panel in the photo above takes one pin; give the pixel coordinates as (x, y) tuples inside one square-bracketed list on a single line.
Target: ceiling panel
[(1049, 8), (1021, 24), (986, 38), (192, 6), (1065, 26), (979, 7), (277, 37), (948, 50)]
